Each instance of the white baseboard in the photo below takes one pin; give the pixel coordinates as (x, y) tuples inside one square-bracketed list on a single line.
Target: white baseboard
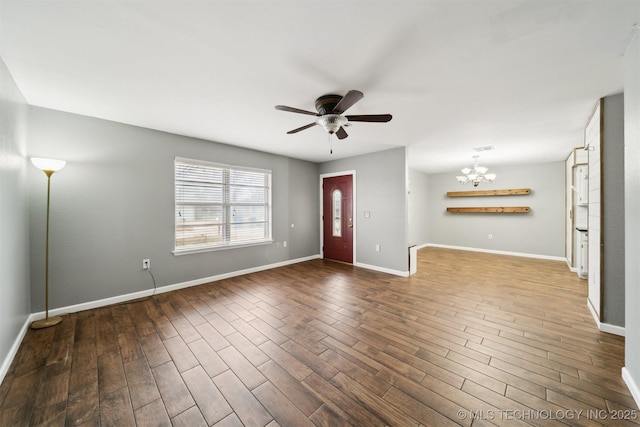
[(631, 384), (141, 294), (6, 363), (215, 278), (605, 327), (382, 269), (491, 251), (612, 329)]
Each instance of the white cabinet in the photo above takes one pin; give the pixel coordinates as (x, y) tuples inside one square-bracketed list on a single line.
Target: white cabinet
[(581, 183), (583, 254), (577, 208)]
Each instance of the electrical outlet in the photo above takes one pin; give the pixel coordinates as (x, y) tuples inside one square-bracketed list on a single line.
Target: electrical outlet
[(377, 248), (146, 264), (490, 237)]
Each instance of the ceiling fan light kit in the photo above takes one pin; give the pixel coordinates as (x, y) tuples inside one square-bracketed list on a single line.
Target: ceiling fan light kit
[(332, 122), (330, 114)]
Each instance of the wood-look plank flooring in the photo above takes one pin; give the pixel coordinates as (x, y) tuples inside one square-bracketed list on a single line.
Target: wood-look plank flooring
[(471, 339)]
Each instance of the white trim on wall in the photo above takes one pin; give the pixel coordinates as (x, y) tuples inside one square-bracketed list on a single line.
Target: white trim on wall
[(631, 384), (571, 269), (167, 288), (6, 363), (382, 269), (491, 251), (605, 327)]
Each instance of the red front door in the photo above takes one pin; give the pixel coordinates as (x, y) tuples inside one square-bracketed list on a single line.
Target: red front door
[(337, 218)]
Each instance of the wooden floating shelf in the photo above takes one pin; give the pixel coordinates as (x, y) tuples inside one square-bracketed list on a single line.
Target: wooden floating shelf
[(487, 209), (505, 192)]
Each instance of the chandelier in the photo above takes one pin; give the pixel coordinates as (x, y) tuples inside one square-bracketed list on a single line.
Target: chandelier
[(476, 175)]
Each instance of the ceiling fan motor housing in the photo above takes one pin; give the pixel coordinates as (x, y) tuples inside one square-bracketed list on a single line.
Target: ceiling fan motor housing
[(326, 103)]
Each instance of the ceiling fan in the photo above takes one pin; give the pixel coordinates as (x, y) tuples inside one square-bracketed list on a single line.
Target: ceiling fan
[(330, 113)]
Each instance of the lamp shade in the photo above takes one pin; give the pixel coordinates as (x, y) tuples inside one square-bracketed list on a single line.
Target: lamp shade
[(48, 164)]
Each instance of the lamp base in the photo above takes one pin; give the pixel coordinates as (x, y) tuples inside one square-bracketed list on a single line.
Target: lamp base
[(45, 323)]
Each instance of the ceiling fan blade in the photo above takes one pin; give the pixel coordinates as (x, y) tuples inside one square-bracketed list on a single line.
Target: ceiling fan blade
[(341, 133), (295, 110), (370, 118), (347, 101), (301, 128)]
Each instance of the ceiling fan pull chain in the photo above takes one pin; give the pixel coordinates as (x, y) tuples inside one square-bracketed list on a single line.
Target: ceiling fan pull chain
[(330, 144)]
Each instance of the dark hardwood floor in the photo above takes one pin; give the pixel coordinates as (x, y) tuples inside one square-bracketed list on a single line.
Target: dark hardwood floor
[(471, 339)]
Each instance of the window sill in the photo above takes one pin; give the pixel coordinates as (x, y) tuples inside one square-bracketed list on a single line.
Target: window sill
[(179, 252)]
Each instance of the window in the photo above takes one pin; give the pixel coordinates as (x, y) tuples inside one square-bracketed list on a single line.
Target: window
[(337, 213), (220, 206)]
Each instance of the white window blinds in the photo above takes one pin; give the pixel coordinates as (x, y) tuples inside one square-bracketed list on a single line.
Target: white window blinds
[(219, 206)]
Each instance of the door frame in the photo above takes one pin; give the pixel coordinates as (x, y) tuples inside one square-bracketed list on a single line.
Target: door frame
[(355, 216)]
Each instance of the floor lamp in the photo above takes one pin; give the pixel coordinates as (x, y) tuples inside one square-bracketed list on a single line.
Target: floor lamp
[(48, 166)]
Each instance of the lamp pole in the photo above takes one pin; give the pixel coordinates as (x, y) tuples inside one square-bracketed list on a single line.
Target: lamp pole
[(48, 166)]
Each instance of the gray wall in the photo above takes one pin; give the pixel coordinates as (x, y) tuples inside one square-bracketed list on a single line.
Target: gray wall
[(14, 231), (632, 207), (418, 207), (113, 205), (539, 232), (612, 159), (381, 188)]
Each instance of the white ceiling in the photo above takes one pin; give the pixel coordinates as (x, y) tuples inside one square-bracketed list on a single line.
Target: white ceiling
[(522, 76)]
